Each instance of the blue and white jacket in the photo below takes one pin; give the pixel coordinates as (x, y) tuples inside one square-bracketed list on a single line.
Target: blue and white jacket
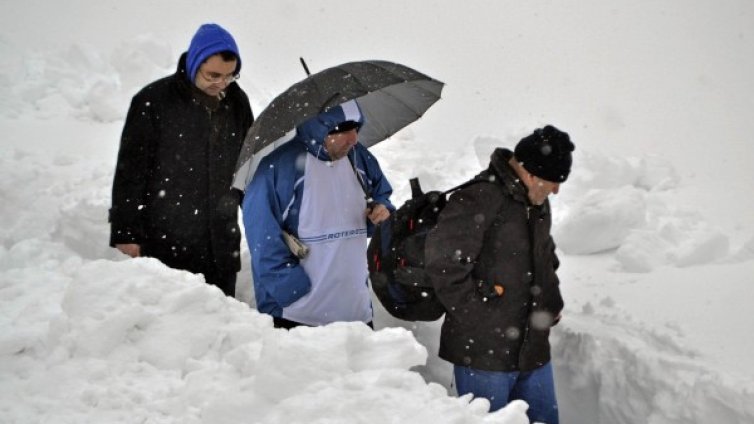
[(298, 189)]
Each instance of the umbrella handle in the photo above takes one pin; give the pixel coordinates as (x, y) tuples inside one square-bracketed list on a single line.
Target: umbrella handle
[(306, 68)]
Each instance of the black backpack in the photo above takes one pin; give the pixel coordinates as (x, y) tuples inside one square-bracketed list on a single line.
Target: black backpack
[(396, 256)]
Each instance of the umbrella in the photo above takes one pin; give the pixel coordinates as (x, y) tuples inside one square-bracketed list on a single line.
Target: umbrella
[(390, 96)]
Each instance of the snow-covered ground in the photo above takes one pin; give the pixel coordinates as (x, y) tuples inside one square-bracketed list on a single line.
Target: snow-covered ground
[(654, 227)]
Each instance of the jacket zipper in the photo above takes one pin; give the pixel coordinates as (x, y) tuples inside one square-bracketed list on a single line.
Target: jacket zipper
[(530, 306)]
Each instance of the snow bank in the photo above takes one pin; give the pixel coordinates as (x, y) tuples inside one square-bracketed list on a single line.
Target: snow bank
[(86, 336), (81, 81), (624, 372), (108, 341), (627, 205)]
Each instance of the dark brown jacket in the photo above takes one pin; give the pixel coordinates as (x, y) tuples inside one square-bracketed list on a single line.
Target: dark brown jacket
[(171, 191), (488, 235)]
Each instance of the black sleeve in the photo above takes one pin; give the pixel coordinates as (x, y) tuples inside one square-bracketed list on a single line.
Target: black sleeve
[(454, 245), (132, 171)]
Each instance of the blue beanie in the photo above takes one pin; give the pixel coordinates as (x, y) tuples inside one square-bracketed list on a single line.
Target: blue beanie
[(210, 39)]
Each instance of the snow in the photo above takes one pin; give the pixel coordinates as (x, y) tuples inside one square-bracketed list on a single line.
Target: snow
[(654, 226)]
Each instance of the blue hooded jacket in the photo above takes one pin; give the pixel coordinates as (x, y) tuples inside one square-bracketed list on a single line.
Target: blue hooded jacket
[(272, 204)]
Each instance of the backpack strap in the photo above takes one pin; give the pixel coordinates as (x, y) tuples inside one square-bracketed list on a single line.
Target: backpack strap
[(472, 181), (416, 189)]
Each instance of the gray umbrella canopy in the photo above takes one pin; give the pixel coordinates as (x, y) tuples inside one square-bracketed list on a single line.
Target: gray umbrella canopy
[(390, 96)]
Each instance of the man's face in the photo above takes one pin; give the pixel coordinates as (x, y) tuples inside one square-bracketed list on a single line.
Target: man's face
[(338, 144), (539, 189), (214, 75)]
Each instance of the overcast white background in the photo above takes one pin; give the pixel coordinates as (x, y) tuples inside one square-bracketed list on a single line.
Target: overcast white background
[(654, 226)]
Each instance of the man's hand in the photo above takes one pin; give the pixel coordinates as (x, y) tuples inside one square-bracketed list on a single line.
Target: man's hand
[(133, 250), (378, 213)]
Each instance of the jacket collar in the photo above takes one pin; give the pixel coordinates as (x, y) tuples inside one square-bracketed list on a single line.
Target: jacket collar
[(501, 168)]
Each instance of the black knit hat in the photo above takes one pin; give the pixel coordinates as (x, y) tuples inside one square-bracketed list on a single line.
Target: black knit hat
[(546, 153)]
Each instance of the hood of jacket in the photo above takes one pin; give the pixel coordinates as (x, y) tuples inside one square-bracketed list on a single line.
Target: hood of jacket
[(189, 90), (314, 131), (210, 39)]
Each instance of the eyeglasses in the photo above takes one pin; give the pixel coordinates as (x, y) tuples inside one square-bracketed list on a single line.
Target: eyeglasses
[(215, 78)]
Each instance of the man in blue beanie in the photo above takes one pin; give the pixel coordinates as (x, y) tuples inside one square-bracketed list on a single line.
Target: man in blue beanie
[(172, 197)]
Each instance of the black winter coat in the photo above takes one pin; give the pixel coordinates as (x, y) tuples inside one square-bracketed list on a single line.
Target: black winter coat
[(171, 191), (488, 235)]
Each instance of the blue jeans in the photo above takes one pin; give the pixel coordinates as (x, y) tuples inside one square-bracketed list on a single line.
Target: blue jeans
[(536, 387)]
